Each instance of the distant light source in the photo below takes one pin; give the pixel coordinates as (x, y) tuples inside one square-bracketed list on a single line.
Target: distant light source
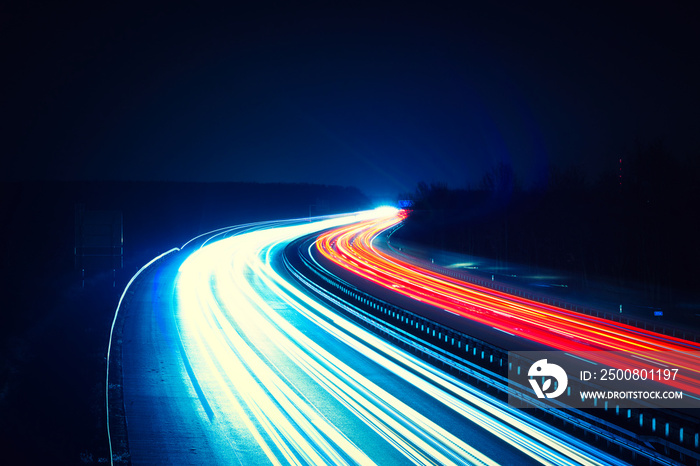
[(377, 213), (386, 210)]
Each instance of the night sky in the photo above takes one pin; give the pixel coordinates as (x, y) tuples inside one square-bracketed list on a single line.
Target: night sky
[(378, 97)]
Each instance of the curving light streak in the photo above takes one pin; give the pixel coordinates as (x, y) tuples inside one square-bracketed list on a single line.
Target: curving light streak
[(111, 336), (352, 248), (291, 382)]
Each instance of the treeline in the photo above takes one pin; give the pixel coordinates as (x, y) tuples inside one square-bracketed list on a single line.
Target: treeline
[(638, 225)]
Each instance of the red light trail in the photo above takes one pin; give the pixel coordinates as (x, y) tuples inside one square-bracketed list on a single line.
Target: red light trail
[(352, 248)]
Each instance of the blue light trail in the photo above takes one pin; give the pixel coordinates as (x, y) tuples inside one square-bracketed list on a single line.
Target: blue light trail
[(290, 381)]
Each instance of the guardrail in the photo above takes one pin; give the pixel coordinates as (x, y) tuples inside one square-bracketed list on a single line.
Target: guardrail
[(486, 366), (664, 329)]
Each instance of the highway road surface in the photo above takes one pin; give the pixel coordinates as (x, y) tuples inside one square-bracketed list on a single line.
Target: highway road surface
[(226, 361)]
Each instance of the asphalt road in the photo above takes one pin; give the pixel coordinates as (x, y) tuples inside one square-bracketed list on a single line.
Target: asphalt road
[(225, 362)]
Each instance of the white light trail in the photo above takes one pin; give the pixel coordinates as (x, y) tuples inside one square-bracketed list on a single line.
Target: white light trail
[(293, 382)]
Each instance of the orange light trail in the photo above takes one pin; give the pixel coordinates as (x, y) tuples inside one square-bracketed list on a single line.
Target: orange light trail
[(351, 247)]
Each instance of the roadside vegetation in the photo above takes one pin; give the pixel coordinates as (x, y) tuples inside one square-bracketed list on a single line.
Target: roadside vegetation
[(638, 230)]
